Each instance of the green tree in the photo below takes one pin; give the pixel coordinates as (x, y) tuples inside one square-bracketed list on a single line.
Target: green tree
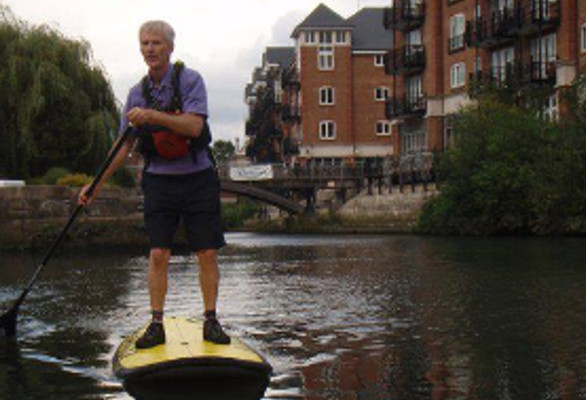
[(223, 150), (56, 106), (489, 177), (513, 170)]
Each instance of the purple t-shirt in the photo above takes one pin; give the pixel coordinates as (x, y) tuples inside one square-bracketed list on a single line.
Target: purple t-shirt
[(193, 100)]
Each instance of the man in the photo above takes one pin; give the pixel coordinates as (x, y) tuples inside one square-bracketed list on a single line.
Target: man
[(175, 187)]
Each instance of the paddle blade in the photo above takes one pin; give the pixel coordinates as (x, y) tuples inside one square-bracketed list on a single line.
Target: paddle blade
[(8, 322)]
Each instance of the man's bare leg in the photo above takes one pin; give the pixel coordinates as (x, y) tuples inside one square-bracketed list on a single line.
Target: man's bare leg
[(209, 280), (157, 278)]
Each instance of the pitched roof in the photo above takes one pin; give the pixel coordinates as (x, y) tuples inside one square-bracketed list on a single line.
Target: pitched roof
[(369, 32), (322, 17), (283, 56)]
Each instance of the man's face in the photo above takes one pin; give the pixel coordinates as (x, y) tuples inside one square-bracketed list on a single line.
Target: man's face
[(155, 50)]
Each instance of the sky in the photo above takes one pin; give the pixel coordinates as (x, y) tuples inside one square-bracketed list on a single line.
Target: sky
[(222, 39)]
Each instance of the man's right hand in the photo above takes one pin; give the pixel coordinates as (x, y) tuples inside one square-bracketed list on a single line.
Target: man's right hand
[(83, 199)]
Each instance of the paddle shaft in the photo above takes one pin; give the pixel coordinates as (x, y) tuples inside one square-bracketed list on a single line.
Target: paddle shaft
[(105, 165)]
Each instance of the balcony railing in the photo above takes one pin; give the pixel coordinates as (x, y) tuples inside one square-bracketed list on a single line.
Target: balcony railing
[(404, 106), (542, 71), (290, 79), (516, 76), (405, 15), (502, 26), (290, 113), (408, 60)]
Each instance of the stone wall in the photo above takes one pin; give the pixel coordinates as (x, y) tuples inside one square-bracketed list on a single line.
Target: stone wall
[(386, 212), (34, 215)]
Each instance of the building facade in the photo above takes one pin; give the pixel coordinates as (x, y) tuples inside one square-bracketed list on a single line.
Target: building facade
[(385, 81), (334, 91), (442, 48)]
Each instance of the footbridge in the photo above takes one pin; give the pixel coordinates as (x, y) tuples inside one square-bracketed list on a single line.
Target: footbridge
[(266, 196), (294, 187)]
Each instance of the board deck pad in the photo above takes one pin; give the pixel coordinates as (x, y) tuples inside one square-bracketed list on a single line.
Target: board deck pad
[(186, 356)]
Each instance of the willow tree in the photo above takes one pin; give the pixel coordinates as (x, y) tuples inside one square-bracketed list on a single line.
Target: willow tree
[(56, 106)]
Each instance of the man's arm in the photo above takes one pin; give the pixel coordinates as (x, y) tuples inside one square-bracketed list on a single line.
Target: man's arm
[(185, 124)]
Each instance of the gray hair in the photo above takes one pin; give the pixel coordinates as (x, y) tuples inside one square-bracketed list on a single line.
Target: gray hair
[(161, 27)]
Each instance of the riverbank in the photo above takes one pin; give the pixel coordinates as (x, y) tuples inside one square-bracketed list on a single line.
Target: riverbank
[(32, 216)]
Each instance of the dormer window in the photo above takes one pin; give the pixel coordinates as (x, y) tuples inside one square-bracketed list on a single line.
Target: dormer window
[(325, 37), (379, 60)]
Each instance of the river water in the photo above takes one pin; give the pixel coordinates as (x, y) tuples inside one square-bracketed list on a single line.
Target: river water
[(338, 317)]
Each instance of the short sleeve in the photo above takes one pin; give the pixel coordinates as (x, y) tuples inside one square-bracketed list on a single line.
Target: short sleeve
[(193, 93)]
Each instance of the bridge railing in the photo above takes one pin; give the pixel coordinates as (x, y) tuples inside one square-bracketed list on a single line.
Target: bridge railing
[(389, 171)]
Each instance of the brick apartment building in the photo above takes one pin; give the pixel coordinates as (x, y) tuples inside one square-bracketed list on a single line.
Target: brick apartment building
[(330, 97), (442, 47), (385, 81)]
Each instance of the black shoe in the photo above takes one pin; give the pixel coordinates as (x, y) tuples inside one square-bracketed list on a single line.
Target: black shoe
[(213, 332), (153, 336)]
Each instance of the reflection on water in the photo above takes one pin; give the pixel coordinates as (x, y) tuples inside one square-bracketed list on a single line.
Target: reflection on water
[(339, 317)]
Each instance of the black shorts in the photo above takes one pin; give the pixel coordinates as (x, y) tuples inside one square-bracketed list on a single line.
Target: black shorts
[(193, 198)]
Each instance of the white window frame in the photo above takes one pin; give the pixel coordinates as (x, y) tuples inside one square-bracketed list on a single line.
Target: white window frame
[(383, 128), (379, 60), (544, 46), (414, 89), (327, 96), (502, 60), (310, 37), (325, 58), (458, 75), (340, 37), (381, 93), (457, 31), (327, 130)]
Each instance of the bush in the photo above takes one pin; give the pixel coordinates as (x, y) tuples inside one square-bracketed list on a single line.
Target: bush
[(75, 180), (234, 215), (493, 179), (51, 176)]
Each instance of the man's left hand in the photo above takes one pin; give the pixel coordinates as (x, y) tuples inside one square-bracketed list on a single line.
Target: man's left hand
[(140, 116)]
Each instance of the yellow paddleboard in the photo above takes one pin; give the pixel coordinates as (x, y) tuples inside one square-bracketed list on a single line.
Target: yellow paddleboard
[(187, 358)]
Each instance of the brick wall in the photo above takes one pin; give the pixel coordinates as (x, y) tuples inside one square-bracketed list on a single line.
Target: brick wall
[(312, 79), (367, 111)]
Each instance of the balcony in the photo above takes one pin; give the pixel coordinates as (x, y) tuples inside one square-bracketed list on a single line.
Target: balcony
[(405, 106), (500, 28), (290, 114), (405, 15), (542, 72), (290, 79), (540, 16), (516, 76), (408, 60)]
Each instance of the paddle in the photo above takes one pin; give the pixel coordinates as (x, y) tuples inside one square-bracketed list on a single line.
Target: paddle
[(8, 320)]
